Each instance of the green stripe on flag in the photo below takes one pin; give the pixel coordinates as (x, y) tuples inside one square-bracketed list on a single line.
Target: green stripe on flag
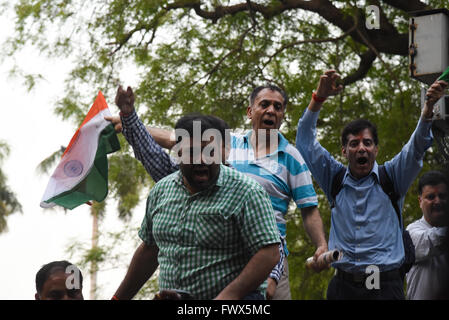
[(445, 75), (95, 185)]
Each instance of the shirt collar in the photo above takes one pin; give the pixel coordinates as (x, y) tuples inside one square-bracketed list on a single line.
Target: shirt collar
[(374, 172), (424, 221), (282, 141)]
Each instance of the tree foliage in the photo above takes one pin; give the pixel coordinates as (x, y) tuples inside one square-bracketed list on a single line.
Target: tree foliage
[(197, 55)]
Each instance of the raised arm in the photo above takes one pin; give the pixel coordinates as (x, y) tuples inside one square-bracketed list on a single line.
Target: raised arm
[(163, 137), (405, 166), (319, 161), (326, 87), (155, 160), (433, 94)]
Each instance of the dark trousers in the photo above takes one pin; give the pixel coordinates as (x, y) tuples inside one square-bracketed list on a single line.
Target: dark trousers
[(342, 289)]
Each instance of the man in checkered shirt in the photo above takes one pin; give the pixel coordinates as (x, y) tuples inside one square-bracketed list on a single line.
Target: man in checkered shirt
[(211, 229)]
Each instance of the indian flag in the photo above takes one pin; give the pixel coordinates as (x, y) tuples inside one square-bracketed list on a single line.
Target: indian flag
[(82, 174)]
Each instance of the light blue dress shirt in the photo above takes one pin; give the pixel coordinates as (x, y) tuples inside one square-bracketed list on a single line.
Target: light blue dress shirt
[(364, 225)]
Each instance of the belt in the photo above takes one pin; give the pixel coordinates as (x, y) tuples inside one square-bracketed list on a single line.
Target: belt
[(360, 277)]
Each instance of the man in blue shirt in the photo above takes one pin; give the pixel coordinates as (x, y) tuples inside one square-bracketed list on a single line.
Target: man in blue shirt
[(364, 224)]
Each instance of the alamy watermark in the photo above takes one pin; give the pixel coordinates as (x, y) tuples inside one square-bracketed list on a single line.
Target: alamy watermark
[(73, 281), (210, 147), (373, 280), (372, 17)]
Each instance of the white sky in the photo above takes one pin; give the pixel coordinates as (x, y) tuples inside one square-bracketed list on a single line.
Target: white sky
[(33, 132)]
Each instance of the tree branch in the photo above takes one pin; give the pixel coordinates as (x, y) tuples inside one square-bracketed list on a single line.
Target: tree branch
[(292, 44), (372, 48), (217, 65), (153, 25), (366, 61), (408, 5), (386, 39)]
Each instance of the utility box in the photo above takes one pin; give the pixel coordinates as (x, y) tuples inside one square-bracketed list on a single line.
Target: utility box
[(428, 44)]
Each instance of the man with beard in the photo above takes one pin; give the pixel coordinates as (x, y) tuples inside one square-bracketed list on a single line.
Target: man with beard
[(428, 276), (365, 225), (210, 228)]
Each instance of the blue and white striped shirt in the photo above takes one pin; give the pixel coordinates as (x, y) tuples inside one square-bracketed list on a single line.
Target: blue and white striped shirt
[(283, 174)]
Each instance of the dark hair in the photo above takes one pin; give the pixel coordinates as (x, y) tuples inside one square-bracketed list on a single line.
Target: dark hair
[(223, 127), (432, 178), (48, 269), (207, 122), (272, 87), (357, 126)]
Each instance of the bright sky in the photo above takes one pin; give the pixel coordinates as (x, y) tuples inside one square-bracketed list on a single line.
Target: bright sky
[(33, 132)]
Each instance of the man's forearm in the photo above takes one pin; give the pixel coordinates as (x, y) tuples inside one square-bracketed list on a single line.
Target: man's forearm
[(315, 106), (163, 137), (313, 224), (254, 273), (143, 265), (156, 161)]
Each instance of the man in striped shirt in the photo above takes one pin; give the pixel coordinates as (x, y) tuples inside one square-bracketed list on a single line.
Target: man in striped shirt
[(263, 154)]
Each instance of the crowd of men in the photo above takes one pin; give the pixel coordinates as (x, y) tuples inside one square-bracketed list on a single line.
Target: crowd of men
[(215, 221)]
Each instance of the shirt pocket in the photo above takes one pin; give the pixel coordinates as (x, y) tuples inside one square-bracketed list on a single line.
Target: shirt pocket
[(214, 230)]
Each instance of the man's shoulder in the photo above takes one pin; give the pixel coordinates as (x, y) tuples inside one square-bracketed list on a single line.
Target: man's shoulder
[(293, 161), (166, 181), (238, 140), (294, 153), (416, 225), (236, 179)]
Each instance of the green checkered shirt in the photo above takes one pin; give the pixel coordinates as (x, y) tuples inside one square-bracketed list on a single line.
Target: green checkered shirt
[(206, 239)]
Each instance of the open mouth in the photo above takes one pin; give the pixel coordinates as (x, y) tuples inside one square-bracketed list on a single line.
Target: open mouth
[(201, 174), (362, 160), (268, 122)]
